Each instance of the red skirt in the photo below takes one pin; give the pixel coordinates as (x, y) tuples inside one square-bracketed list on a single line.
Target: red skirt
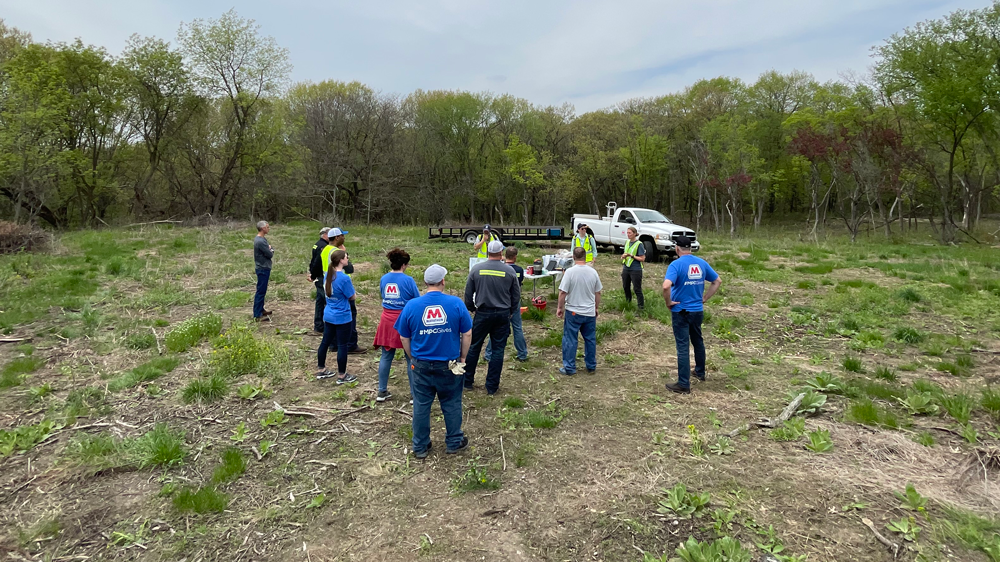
[(386, 334)]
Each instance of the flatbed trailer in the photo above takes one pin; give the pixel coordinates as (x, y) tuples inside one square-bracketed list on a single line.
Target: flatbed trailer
[(506, 233)]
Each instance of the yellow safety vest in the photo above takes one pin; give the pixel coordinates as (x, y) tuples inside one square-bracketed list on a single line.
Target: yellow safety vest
[(631, 250), (586, 245), (324, 256), (482, 249)]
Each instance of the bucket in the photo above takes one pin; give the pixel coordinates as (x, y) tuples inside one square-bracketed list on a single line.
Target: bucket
[(539, 303)]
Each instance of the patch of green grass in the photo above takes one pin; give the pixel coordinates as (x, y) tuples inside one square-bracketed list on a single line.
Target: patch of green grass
[(924, 438), (542, 420), (868, 339), (865, 412), (909, 294), (991, 402), (857, 388), (806, 285), (552, 338), (84, 401), (908, 335), (16, 370), (852, 365), (203, 500), (240, 352), (98, 451), (609, 328), (233, 466), (161, 446), (230, 299), (513, 402), (152, 370), (969, 530), (886, 373), (959, 406), (24, 437), (475, 478), (535, 314), (140, 340), (725, 328), (821, 268), (206, 389), (951, 368), (191, 331)]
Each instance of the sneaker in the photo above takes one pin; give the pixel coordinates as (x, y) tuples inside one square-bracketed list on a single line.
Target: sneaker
[(423, 454), (702, 378), (261, 318), (465, 443), (383, 395), (411, 402), (346, 379), (563, 371), (324, 374), (268, 312), (591, 371), (522, 359), (674, 387), (358, 350)]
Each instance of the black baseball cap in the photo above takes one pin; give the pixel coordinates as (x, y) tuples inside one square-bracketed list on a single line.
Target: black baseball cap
[(683, 241), (486, 227)]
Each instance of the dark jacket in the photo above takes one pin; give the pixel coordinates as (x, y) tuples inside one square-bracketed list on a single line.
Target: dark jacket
[(316, 263), (493, 284)]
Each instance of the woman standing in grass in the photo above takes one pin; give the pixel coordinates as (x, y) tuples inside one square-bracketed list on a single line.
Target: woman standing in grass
[(397, 288), (336, 318), (337, 242)]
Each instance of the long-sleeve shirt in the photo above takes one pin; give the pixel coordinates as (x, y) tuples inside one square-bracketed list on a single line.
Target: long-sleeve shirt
[(316, 263), (493, 284), (262, 253)]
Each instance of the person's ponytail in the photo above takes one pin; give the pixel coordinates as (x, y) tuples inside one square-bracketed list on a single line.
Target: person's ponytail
[(331, 272)]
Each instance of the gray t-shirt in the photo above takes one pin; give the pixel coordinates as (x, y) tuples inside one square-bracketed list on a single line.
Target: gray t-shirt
[(581, 283), (262, 253)]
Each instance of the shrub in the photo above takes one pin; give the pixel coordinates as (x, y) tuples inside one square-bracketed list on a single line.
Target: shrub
[(202, 500), (16, 238), (475, 477), (191, 331), (233, 466), (206, 389), (161, 446), (240, 351)]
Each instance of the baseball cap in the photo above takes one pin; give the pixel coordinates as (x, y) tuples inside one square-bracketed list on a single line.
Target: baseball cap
[(494, 247), (683, 241), (324, 230), (487, 227), (434, 274), (335, 232), (582, 225)]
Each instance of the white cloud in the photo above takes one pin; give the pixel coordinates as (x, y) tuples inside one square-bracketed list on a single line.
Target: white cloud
[(592, 53)]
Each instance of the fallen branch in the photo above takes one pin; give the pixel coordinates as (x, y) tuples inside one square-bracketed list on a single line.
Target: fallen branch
[(293, 412), (946, 430), (973, 350), (256, 453), (150, 222), (345, 414), (156, 338), (404, 412), (893, 547), (14, 340), (503, 454), (324, 463), (771, 423)]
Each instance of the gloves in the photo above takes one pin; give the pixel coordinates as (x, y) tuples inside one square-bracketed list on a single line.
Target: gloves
[(456, 368)]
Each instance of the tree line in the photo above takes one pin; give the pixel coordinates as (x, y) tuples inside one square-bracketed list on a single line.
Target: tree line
[(211, 126)]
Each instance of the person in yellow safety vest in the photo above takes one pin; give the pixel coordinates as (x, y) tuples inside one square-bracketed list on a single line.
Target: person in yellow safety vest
[(483, 241), (336, 237), (632, 258), (585, 239)]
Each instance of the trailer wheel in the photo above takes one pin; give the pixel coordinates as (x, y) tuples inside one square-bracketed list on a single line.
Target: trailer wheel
[(471, 236)]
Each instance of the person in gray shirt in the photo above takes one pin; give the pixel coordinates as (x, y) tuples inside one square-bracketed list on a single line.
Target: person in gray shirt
[(493, 293), (579, 301), (262, 254)]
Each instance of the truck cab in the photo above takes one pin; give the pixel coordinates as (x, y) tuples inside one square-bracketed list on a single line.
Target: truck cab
[(657, 233)]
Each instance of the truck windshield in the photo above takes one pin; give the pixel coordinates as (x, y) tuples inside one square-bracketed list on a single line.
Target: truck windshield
[(650, 216)]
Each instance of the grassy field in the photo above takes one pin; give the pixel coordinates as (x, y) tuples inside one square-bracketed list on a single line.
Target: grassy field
[(143, 417)]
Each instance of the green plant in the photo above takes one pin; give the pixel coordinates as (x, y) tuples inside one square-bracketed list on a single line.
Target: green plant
[(790, 430), (819, 441), (274, 418), (697, 445), (191, 331), (906, 527), (911, 499), (608, 328), (910, 295), (146, 372), (240, 351), (991, 402), (205, 389), (885, 373), (725, 328), (926, 386), (677, 501), (970, 434), (265, 447), (825, 382), (534, 313), (24, 437), (140, 340), (725, 549), (919, 403), (723, 446), (852, 364), (202, 500), (316, 502), (722, 520), (252, 392), (959, 406), (13, 373), (240, 433), (160, 446), (233, 466), (924, 438), (863, 411), (513, 402), (812, 402), (475, 478), (39, 392)]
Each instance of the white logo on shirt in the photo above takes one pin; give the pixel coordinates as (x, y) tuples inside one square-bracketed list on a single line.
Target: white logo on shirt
[(434, 315), (391, 291), (694, 271)]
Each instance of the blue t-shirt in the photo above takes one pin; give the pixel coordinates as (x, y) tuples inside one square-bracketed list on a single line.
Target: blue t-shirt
[(397, 289), (434, 324), (688, 275), (338, 304)]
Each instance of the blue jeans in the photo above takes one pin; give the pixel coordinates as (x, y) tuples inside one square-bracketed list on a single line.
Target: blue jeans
[(320, 305), (263, 275), (432, 378), (520, 345), (338, 334), (687, 332), (575, 325), (353, 341), (492, 323), (385, 366)]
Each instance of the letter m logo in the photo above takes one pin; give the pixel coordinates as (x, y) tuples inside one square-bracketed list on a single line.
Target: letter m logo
[(435, 316), (391, 291), (694, 271)]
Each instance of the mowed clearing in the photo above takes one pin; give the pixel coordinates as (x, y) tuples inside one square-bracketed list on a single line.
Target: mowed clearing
[(131, 431)]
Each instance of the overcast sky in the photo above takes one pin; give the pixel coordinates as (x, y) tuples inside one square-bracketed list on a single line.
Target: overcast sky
[(590, 53)]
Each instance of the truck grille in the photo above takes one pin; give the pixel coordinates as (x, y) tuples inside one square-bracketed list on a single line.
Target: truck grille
[(688, 233)]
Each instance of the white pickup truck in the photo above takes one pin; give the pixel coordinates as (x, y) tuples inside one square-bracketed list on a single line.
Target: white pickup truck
[(656, 231)]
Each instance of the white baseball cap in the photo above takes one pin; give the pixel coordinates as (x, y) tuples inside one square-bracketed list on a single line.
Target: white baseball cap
[(335, 232), (494, 247)]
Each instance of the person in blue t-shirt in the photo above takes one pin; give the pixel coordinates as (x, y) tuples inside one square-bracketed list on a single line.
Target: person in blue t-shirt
[(336, 318), (397, 288), (436, 331), (685, 294)]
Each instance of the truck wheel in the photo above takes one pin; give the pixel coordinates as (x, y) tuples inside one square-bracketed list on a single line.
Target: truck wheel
[(651, 253), (471, 236)]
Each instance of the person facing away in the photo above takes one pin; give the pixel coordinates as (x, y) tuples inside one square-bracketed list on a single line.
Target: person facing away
[(492, 291), (316, 270), (579, 300), (482, 242), (337, 237), (436, 331), (685, 294), (397, 288), (339, 292), (516, 327), (262, 254), (633, 256), (585, 239)]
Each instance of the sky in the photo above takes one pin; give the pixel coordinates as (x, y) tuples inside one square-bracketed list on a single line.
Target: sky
[(589, 53)]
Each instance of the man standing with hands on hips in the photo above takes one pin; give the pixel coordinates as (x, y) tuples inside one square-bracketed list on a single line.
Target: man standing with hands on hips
[(685, 294), (436, 331)]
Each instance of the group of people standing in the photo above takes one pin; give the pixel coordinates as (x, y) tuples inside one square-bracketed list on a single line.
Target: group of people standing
[(442, 342)]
